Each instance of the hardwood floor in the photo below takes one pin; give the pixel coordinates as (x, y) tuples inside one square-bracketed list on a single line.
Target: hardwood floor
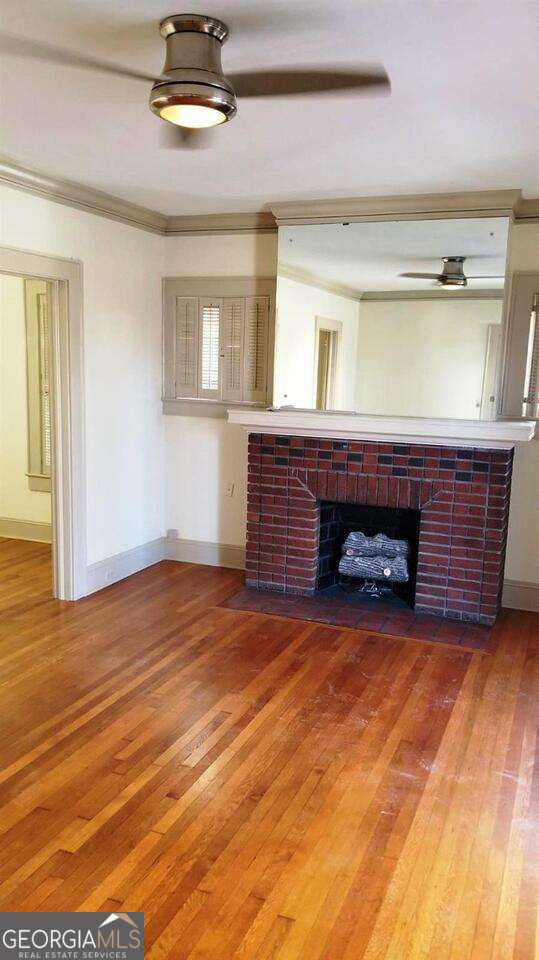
[(261, 787)]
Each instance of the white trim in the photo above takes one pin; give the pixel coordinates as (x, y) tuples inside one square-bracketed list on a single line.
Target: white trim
[(206, 553), (518, 596), (121, 565), (25, 530), (221, 223), (492, 434), (521, 596), (405, 207), (429, 206), (82, 198), (68, 422), (441, 294)]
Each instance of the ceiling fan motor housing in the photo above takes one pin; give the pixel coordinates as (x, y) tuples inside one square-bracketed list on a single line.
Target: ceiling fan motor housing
[(192, 74), (452, 274)]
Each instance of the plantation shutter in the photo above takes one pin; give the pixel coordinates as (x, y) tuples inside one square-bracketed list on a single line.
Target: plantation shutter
[(186, 352), (255, 361), (232, 328), (209, 343), (44, 382), (531, 380)]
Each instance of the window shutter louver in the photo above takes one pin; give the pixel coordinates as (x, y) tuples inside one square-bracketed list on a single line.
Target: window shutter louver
[(232, 331), (209, 346), (186, 347), (256, 349)]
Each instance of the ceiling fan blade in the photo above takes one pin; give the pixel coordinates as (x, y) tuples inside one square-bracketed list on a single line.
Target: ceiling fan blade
[(421, 276), (173, 137), (15, 46), (279, 83), (490, 276)]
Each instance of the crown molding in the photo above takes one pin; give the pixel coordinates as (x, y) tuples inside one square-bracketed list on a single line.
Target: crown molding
[(82, 198), (441, 294), (311, 280), (527, 211), (407, 207), (261, 222), (486, 203)]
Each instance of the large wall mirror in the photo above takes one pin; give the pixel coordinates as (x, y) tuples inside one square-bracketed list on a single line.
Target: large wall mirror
[(391, 318)]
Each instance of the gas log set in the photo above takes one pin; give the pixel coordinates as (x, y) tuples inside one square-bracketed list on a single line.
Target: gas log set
[(371, 564)]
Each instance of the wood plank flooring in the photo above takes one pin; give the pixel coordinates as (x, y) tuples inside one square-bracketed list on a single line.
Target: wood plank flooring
[(261, 787)]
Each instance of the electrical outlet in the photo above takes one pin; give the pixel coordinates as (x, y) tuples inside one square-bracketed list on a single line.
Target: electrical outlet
[(173, 534), (230, 489)]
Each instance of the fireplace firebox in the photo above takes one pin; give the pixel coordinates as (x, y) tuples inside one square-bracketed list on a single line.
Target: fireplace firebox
[(337, 520), (456, 501)]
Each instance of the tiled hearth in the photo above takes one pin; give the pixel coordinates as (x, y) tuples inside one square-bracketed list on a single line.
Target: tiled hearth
[(463, 495)]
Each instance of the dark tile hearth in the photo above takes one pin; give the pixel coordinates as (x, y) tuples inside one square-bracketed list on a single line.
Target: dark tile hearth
[(335, 607)]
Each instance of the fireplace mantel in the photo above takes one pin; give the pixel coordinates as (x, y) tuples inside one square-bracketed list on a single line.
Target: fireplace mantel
[(490, 434)]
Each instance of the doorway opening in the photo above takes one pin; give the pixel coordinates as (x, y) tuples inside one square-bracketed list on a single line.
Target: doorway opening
[(42, 486), (326, 362), (25, 414)]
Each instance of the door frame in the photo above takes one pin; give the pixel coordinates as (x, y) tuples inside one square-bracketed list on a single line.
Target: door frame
[(335, 327), (68, 479)]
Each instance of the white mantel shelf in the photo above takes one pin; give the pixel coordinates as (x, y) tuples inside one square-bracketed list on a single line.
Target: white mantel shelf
[(491, 434)]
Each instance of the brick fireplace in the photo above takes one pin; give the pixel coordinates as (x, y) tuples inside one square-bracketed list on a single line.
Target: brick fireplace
[(461, 496)]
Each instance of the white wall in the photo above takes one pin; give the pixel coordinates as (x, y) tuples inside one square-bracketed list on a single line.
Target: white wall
[(298, 306), (17, 501), (442, 341), (122, 268), (204, 456), (523, 543)]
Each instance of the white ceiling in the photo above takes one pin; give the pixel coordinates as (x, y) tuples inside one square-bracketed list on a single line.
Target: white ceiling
[(370, 256), (463, 114)]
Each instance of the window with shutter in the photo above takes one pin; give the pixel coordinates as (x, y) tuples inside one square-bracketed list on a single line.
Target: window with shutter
[(255, 377), (209, 324), (216, 341), (186, 328), (232, 329), (44, 382), (37, 295)]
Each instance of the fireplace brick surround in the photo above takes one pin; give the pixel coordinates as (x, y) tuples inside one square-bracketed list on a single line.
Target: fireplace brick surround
[(462, 493)]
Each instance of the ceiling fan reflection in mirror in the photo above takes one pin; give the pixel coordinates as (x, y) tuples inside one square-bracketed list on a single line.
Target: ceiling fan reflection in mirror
[(192, 92), (452, 276)]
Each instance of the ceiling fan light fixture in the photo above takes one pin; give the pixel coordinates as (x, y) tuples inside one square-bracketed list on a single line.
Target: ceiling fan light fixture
[(193, 105), (452, 284), (193, 116), (193, 92)]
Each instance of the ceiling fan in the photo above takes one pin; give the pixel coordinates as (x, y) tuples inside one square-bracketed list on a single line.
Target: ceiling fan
[(193, 92), (452, 276)]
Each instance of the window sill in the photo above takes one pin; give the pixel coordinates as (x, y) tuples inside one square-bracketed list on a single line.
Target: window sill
[(39, 483), (214, 409)]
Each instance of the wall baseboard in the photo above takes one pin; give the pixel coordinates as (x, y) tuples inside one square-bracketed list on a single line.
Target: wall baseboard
[(521, 596), (121, 565), (25, 530), (516, 595), (204, 552)]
